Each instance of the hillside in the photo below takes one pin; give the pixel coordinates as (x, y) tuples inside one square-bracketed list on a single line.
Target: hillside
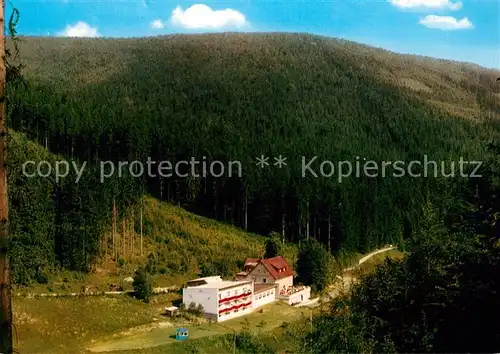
[(233, 97)]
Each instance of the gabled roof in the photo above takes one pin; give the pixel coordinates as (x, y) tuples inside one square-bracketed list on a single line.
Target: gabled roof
[(277, 267), (275, 264)]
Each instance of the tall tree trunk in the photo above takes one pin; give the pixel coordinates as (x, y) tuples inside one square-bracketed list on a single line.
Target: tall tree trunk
[(123, 236), (214, 190), (132, 237), (114, 228), (161, 188), (283, 226), (315, 230), (283, 219), (307, 220), (246, 212), (5, 300), (142, 203), (106, 251), (329, 231)]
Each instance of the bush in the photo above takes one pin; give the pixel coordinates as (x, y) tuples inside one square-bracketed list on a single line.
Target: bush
[(200, 310), (121, 262), (41, 279), (192, 307), (247, 342), (163, 270), (142, 285)]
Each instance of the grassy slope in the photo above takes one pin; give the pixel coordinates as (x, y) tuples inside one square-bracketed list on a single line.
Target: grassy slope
[(66, 325), (178, 241), (101, 322), (276, 92)]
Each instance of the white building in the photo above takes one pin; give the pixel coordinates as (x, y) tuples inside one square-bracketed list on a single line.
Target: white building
[(264, 294), (221, 299), (275, 271)]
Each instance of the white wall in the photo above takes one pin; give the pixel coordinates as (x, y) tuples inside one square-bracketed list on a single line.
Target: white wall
[(263, 298), (224, 293), (204, 296), (232, 314), (296, 298)]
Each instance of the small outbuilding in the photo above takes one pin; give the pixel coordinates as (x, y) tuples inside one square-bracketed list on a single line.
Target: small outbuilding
[(172, 311)]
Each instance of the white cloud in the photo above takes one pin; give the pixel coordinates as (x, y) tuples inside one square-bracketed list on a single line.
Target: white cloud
[(446, 22), (201, 16), (157, 24), (430, 4), (80, 29)]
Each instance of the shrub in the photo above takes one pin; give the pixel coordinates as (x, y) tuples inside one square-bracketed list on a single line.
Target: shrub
[(41, 279), (163, 270), (142, 285), (192, 307), (200, 310)]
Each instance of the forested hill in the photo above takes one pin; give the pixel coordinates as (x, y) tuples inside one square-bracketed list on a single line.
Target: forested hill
[(237, 96)]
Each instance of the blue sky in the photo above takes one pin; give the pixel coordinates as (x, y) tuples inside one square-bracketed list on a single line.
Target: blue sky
[(464, 30)]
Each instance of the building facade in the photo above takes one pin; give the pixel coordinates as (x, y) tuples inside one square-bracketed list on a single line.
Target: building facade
[(264, 294), (278, 272), (270, 270), (221, 299)]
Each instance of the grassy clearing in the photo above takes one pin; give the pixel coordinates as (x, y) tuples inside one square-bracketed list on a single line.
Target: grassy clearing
[(72, 325), (273, 316), (279, 340), (68, 325)]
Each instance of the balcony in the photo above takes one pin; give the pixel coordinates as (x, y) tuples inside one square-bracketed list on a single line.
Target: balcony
[(236, 307), (235, 297)]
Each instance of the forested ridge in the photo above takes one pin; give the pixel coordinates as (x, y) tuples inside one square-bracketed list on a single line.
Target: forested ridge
[(234, 97)]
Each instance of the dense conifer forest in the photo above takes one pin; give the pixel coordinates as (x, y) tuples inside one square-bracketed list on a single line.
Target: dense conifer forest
[(235, 97)]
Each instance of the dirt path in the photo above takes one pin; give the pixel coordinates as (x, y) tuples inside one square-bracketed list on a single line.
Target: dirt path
[(153, 335), (368, 256), (345, 281), (148, 336)]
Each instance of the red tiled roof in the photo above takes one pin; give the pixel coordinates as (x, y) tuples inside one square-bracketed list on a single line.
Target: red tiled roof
[(273, 266)]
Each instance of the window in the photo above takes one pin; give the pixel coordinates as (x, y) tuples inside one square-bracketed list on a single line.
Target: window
[(264, 280)]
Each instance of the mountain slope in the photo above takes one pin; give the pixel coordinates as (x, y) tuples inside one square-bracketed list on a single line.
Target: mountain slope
[(237, 96)]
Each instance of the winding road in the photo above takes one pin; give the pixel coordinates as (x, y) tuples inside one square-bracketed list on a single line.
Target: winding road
[(345, 281)]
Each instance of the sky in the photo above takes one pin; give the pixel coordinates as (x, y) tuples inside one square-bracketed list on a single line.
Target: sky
[(467, 30)]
